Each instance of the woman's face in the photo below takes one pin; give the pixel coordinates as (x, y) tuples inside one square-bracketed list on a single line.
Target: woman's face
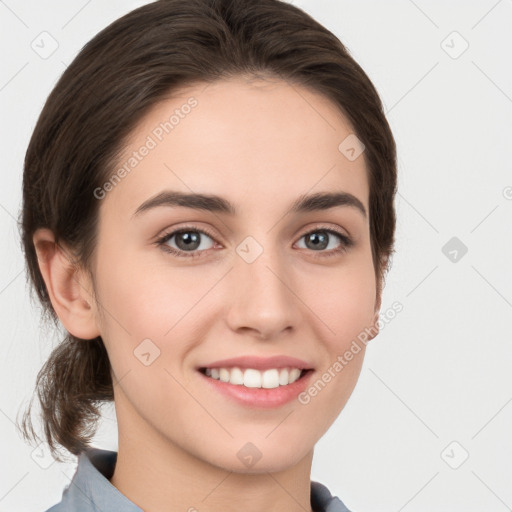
[(266, 280)]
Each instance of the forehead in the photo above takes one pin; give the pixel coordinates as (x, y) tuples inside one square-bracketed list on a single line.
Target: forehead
[(262, 142)]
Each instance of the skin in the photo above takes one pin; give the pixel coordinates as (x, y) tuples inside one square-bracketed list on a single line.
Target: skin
[(260, 144)]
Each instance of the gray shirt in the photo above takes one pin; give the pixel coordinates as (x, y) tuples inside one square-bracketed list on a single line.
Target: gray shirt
[(91, 491)]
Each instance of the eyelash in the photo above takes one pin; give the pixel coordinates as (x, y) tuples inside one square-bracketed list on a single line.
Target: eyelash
[(346, 242)]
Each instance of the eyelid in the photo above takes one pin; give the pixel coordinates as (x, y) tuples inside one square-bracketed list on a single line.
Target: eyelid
[(174, 231), (346, 240), (167, 235)]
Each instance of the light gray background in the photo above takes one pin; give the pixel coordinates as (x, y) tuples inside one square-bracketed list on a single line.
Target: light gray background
[(436, 383)]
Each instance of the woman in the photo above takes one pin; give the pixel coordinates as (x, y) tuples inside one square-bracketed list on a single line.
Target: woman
[(208, 211)]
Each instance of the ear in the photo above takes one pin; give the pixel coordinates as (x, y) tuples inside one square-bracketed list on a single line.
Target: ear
[(68, 286), (378, 302)]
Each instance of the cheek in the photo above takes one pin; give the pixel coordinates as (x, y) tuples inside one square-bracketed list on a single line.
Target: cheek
[(147, 309), (145, 300), (345, 302)]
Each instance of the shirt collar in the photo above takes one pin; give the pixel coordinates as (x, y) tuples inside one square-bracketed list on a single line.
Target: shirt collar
[(90, 487)]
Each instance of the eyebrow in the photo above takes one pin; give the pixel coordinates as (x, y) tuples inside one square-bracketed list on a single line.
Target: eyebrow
[(217, 204)]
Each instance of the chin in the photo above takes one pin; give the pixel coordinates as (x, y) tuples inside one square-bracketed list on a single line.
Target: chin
[(249, 459)]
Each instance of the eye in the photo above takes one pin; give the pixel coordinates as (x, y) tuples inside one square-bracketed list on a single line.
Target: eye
[(187, 239), (189, 242), (320, 239)]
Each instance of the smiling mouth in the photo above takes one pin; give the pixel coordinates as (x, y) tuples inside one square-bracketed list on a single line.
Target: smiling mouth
[(252, 378)]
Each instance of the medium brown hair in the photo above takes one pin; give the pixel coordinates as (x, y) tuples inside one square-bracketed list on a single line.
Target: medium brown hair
[(127, 68)]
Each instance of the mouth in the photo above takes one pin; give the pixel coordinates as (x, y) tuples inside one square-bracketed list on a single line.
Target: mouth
[(257, 389), (257, 382), (253, 378)]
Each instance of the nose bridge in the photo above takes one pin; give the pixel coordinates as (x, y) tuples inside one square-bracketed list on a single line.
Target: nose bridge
[(263, 300)]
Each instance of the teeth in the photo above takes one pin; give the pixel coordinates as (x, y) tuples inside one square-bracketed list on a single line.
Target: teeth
[(252, 378), (236, 377), (270, 379)]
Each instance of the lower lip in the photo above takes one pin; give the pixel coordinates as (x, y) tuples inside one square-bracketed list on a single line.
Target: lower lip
[(260, 397)]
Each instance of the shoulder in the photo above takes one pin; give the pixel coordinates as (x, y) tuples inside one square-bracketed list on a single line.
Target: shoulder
[(81, 492), (90, 489), (323, 501)]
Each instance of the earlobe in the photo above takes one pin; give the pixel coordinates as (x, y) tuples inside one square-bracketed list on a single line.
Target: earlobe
[(67, 286), (374, 330), (375, 324)]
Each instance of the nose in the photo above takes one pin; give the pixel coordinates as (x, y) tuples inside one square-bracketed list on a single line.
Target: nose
[(263, 301)]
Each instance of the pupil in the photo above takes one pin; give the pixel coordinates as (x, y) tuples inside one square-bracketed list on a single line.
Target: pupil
[(188, 240), (318, 240)]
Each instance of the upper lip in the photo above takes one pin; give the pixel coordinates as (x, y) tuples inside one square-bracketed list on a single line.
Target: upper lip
[(260, 363)]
